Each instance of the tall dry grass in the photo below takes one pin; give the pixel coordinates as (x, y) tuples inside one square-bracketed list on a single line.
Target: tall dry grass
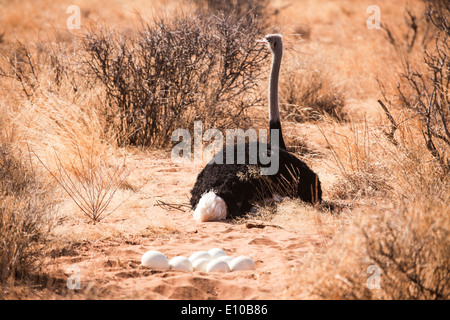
[(61, 123), (393, 174), (26, 209), (358, 156), (398, 230), (405, 246), (423, 86), (308, 91)]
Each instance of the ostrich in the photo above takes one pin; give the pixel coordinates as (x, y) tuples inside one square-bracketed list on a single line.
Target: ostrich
[(228, 190)]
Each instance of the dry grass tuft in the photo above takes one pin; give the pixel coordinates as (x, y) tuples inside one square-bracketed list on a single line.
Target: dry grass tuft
[(396, 247), (358, 159), (295, 215), (308, 94), (386, 254), (26, 220), (26, 206)]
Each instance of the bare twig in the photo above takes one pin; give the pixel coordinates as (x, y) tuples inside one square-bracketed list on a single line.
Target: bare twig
[(389, 135), (176, 206)]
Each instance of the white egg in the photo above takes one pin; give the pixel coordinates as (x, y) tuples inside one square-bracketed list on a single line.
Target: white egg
[(180, 263), (217, 252), (227, 259), (198, 255), (217, 266), (155, 260), (200, 264), (242, 263)]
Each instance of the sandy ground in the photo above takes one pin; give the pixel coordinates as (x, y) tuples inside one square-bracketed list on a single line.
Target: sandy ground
[(107, 255)]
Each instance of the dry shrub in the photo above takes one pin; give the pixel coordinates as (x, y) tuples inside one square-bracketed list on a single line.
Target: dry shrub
[(146, 83), (403, 237), (90, 182), (423, 86), (42, 67), (26, 207), (25, 215), (358, 160), (249, 8), (415, 173), (60, 122), (24, 65), (308, 94), (408, 247), (413, 252), (407, 241), (66, 139), (172, 72)]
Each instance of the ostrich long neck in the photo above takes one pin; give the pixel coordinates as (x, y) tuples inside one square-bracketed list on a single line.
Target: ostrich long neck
[(274, 112)]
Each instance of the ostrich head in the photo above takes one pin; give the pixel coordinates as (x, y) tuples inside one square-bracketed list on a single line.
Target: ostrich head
[(274, 42)]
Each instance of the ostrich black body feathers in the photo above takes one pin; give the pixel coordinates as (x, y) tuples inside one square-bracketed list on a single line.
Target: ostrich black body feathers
[(241, 185)]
